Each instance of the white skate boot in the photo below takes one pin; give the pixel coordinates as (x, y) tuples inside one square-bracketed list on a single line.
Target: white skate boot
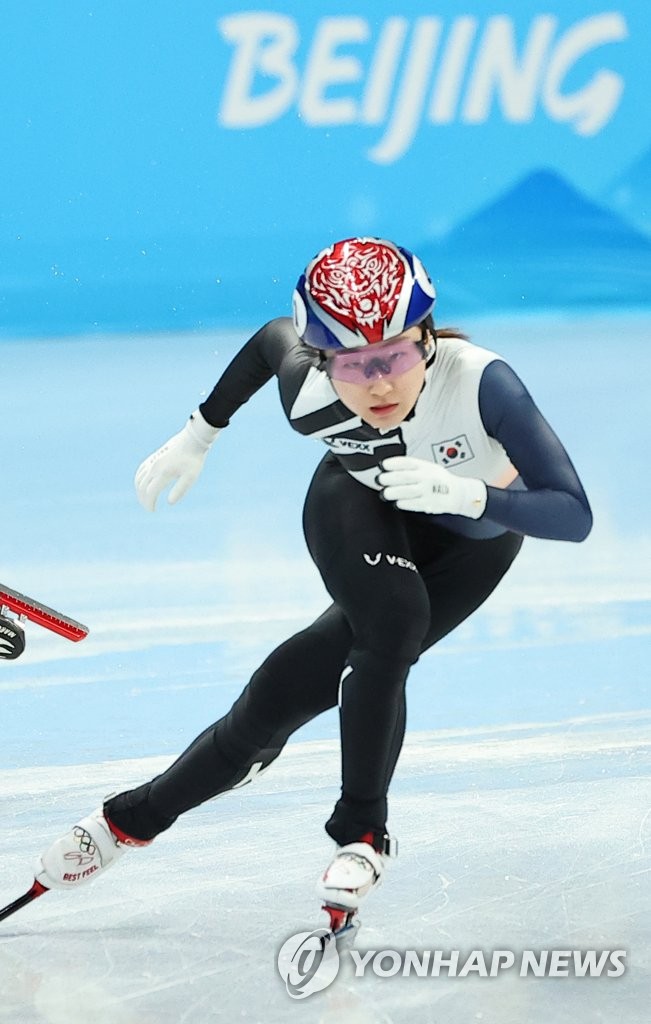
[(89, 847), (354, 871)]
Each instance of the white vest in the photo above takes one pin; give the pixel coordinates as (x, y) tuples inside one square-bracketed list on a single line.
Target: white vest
[(446, 426)]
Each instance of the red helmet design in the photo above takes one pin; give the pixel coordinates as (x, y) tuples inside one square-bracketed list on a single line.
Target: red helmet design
[(360, 291)]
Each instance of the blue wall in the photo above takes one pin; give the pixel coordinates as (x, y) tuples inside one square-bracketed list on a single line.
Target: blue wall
[(169, 166)]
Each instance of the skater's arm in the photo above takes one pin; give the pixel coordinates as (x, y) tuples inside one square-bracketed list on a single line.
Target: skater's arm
[(308, 398), (554, 505), (545, 497), (274, 350), (256, 363)]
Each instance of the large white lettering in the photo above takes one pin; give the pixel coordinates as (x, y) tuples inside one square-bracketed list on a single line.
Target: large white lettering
[(412, 92), (498, 71), (452, 66), (383, 71), (592, 107), (326, 68), (402, 74), (265, 44)]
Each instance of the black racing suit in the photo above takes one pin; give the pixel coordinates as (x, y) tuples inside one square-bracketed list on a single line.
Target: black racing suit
[(399, 581)]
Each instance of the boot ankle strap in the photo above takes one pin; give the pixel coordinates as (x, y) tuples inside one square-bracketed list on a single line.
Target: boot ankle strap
[(382, 843), (387, 845)]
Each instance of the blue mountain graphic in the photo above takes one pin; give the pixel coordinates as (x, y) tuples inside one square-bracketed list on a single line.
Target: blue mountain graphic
[(630, 194), (541, 244)]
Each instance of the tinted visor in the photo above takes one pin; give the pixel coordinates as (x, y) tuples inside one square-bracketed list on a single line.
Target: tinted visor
[(360, 365)]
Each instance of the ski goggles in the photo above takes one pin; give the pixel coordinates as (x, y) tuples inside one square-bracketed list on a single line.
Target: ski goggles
[(360, 365)]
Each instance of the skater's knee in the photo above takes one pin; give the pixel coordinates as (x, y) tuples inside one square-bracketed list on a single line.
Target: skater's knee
[(394, 618), (397, 634)]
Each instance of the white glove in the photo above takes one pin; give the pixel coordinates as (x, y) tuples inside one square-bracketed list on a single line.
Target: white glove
[(419, 486), (180, 459)]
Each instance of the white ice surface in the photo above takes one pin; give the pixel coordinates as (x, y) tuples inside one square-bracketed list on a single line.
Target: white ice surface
[(532, 837)]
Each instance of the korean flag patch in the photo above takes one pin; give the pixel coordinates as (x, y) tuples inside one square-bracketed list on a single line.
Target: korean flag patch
[(453, 452)]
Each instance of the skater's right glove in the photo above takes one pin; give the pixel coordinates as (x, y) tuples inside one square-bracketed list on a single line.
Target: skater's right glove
[(179, 461)]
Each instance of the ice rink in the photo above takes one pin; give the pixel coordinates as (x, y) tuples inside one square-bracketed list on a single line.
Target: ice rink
[(522, 797)]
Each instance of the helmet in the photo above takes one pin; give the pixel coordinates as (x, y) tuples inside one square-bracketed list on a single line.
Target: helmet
[(360, 291)]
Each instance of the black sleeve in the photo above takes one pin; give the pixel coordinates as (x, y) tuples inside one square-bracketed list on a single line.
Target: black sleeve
[(554, 506), (256, 363)]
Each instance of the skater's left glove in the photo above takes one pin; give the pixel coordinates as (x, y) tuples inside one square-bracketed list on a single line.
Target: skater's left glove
[(419, 486)]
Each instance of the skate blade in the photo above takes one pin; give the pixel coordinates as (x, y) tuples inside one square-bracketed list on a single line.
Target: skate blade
[(344, 925), (42, 614)]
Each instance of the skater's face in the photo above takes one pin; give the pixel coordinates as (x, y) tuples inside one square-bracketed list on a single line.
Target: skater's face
[(372, 383)]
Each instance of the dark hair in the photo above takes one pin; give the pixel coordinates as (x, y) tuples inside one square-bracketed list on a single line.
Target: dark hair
[(443, 332)]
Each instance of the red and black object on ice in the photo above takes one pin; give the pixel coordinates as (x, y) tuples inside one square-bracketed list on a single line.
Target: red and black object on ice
[(12, 639), (36, 890), (41, 614)]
